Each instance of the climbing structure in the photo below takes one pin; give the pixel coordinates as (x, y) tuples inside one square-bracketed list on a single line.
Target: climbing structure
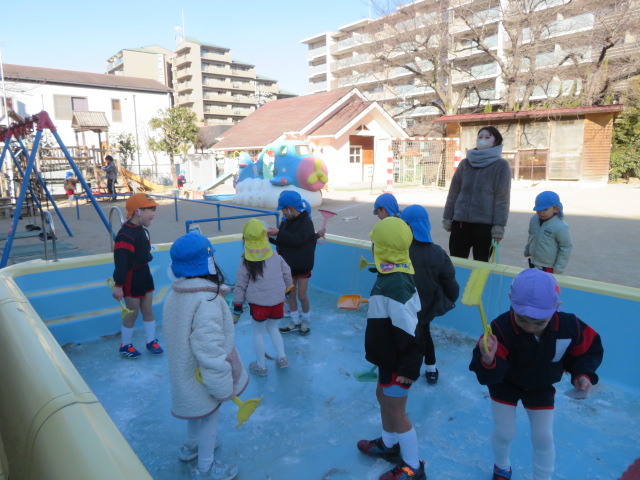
[(15, 135)]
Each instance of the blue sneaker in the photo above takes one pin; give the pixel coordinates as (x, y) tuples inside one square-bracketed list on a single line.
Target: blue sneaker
[(377, 448), (129, 351), (405, 472), (500, 474), (154, 348)]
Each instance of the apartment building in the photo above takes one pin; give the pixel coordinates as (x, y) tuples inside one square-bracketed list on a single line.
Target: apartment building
[(220, 89), (147, 62), (430, 58)]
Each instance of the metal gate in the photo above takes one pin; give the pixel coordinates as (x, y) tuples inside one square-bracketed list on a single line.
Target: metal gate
[(424, 161)]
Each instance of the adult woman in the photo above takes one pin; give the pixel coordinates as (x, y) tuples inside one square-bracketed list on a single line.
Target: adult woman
[(477, 205)]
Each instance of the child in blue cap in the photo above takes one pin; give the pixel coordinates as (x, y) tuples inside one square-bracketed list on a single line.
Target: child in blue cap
[(385, 206), (296, 242), (531, 347), (549, 243), (435, 279), (205, 369)]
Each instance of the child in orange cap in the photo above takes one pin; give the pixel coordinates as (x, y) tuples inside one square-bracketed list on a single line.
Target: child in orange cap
[(132, 276)]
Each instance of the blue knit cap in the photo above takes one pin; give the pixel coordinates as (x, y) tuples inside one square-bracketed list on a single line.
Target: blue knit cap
[(417, 218), (69, 174), (388, 202), (289, 198), (548, 199), (192, 256)]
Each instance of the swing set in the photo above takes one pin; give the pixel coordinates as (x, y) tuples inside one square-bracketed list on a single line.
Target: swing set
[(15, 146)]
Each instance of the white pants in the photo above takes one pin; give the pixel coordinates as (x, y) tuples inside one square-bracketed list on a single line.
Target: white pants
[(269, 326), (504, 431), (202, 432)]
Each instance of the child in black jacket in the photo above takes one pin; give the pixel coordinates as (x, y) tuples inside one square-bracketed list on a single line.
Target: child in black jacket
[(435, 279), (530, 347), (296, 242)]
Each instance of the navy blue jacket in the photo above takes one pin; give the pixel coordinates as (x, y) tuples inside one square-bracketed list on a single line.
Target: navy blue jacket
[(567, 344), (132, 250), (296, 243)]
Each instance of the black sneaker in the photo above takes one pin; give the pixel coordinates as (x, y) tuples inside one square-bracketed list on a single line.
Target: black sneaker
[(405, 472), (377, 448), (432, 377)]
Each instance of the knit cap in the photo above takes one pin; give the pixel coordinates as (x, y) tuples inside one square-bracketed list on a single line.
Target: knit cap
[(139, 200), (256, 243), (535, 294), (391, 239), (192, 256), (417, 218), (388, 202), (548, 199), (290, 198)]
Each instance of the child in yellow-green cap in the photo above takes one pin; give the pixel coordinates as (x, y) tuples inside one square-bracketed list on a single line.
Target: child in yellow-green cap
[(262, 279), (391, 345)]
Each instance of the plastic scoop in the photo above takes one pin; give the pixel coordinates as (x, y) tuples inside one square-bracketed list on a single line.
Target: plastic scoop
[(245, 409), (351, 302), (473, 296), (364, 263), (368, 376), (125, 310), (327, 215)]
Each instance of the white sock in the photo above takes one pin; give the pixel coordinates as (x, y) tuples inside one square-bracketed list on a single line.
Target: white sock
[(207, 440), (127, 335), (295, 316), (409, 447), (389, 438), (150, 330), (431, 368), (306, 316)]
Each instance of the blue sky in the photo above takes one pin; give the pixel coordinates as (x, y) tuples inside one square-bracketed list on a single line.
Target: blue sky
[(80, 35)]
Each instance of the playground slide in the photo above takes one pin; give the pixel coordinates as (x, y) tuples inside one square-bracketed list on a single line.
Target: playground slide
[(218, 181), (142, 184)]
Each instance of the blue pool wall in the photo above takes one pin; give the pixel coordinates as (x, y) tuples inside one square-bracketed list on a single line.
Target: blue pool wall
[(73, 300)]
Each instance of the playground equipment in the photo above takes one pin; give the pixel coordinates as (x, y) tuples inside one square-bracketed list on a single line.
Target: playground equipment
[(18, 131)]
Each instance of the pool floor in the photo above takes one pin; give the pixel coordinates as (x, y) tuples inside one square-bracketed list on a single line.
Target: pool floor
[(314, 412)]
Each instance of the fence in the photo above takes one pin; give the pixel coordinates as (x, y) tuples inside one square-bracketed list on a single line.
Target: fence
[(424, 161)]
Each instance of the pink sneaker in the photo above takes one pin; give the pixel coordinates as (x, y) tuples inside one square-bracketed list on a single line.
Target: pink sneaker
[(282, 362)]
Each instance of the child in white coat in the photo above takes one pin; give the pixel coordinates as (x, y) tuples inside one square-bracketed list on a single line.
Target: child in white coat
[(262, 279), (199, 335)]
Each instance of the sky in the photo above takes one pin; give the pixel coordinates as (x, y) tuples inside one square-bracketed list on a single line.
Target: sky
[(79, 35)]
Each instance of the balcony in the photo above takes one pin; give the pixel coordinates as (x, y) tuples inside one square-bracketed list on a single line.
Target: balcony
[(317, 70), (226, 58), (183, 73), (215, 70), (317, 53), (213, 83), (354, 41)]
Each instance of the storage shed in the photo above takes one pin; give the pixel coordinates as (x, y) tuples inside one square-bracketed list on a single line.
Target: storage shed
[(552, 144)]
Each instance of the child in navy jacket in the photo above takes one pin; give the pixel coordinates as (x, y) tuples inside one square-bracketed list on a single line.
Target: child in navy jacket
[(531, 346)]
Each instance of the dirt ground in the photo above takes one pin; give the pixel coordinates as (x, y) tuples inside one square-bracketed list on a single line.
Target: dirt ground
[(604, 222)]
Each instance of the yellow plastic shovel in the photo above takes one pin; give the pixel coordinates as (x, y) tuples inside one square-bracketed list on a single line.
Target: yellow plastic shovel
[(245, 409), (125, 310), (473, 296)]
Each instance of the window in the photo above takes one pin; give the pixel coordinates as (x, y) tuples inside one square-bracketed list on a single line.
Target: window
[(355, 154), (116, 111), (65, 105)]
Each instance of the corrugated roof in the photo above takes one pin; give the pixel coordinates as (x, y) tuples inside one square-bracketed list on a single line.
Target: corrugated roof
[(543, 113), (89, 121), (271, 120), (26, 73)]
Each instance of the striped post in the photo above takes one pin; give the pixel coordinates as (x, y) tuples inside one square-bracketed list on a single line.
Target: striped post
[(390, 173)]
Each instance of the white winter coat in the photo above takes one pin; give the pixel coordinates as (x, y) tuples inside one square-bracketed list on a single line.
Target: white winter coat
[(199, 333)]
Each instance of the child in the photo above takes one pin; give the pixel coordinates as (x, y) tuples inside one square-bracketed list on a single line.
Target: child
[(132, 276), (390, 343), (435, 280), (261, 280), (70, 187), (385, 206), (530, 348), (296, 240), (112, 175), (549, 243), (200, 338)]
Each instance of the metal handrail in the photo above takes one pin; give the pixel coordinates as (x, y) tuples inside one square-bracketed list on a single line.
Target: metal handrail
[(112, 235), (47, 221)]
